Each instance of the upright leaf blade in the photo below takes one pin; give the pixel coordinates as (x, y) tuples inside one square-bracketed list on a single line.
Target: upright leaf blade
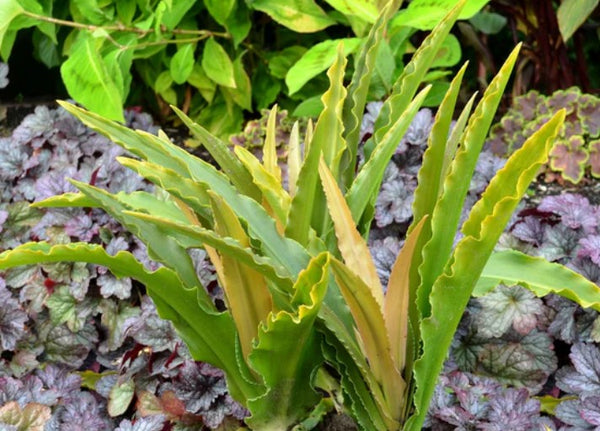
[(453, 288), (446, 216), (407, 84), (352, 246), (247, 296)]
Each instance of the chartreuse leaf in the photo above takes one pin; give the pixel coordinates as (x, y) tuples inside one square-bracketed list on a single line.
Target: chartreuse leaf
[(511, 267), (302, 16), (370, 324), (88, 80), (272, 190), (354, 105), (9, 10), (352, 246), (308, 204), (316, 60), (220, 151), (446, 216), (162, 152), (397, 304), (173, 300), (288, 352), (246, 293), (425, 14), (270, 146), (365, 10), (294, 161), (365, 186), (217, 64), (452, 289), (407, 84)]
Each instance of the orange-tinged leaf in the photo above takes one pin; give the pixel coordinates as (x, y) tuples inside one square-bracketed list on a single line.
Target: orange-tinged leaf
[(248, 297), (352, 246), (373, 337), (396, 298)]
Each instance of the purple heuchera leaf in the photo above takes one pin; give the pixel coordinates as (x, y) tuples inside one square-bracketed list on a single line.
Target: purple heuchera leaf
[(584, 376), (508, 306), (149, 423), (487, 166), (384, 252), (394, 202), (12, 319), (369, 117), (531, 230), (149, 329), (418, 130), (111, 285), (84, 413), (590, 247), (12, 160), (512, 410), (58, 379), (3, 75), (561, 242), (81, 227), (199, 385), (574, 210), (55, 183)]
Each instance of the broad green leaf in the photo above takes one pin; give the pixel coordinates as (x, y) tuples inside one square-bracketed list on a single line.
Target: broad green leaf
[(370, 324), (352, 246), (88, 80), (396, 307), (571, 14), (222, 117), (308, 205), (238, 23), (182, 63), (487, 220), (288, 352), (302, 16), (511, 267), (449, 53), (413, 74), (217, 64), (281, 61), (220, 9), (272, 190), (242, 93), (126, 11), (199, 79), (120, 396), (219, 150), (364, 9), (172, 15), (489, 22), (246, 293), (9, 10), (446, 216), (316, 60), (354, 105), (426, 14)]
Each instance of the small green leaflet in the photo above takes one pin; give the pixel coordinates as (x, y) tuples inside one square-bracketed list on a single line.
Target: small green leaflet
[(182, 63), (217, 64), (303, 16)]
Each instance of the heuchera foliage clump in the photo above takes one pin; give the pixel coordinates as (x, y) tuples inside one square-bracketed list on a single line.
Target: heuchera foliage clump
[(81, 346), (578, 149)]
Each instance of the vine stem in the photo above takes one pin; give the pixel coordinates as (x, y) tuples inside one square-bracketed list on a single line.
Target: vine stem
[(201, 34)]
